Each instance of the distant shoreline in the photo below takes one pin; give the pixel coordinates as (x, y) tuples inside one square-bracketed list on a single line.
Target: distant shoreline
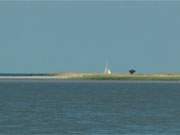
[(96, 76)]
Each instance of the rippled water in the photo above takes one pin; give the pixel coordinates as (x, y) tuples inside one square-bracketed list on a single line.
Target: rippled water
[(89, 108)]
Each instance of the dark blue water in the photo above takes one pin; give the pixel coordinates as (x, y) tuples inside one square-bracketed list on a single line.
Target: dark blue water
[(89, 108)]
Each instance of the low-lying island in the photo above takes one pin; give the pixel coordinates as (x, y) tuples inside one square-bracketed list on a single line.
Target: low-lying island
[(96, 76)]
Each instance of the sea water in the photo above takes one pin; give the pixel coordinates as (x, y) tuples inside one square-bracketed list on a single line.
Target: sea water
[(52, 107)]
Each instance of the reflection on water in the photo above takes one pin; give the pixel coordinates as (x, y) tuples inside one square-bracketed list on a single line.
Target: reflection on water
[(89, 108)]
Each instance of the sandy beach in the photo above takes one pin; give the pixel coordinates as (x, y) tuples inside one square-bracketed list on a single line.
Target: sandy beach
[(97, 76)]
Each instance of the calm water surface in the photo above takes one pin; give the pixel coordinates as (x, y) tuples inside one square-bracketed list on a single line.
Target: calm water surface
[(89, 108)]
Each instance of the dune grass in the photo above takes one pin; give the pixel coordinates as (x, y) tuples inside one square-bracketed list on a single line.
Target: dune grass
[(153, 77)]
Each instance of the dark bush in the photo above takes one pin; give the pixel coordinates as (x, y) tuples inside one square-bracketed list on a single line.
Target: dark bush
[(132, 71)]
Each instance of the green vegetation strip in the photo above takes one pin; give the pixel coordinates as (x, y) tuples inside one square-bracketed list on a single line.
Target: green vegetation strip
[(127, 77)]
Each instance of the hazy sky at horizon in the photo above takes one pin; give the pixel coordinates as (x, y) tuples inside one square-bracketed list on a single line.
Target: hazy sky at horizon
[(82, 36)]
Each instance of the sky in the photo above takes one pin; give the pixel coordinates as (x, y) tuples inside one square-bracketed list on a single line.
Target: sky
[(81, 36)]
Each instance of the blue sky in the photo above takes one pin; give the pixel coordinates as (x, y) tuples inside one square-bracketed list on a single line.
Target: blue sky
[(82, 36)]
